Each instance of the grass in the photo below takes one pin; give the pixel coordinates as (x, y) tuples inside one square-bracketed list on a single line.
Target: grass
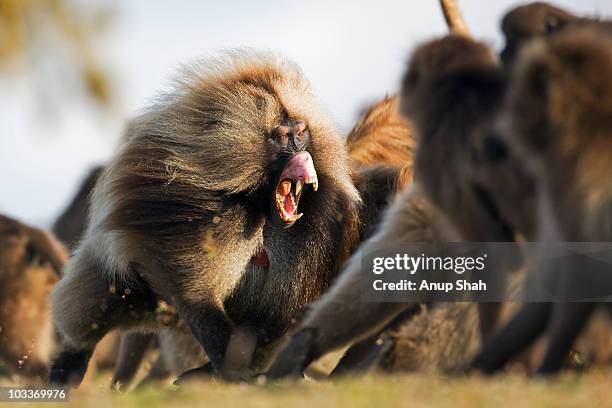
[(414, 390)]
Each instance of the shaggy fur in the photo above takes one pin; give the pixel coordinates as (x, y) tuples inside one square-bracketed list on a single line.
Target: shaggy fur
[(558, 115), (382, 137), (186, 204), (31, 261), (535, 20), (380, 148), (452, 92)]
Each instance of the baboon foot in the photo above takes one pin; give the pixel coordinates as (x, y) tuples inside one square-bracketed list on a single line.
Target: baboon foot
[(68, 367)]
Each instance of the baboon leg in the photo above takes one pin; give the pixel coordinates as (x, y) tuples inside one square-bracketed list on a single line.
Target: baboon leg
[(84, 310), (235, 358), (239, 354), (69, 366), (205, 371), (159, 372), (332, 324), (212, 329), (334, 330), (568, 321), (132, 350), (524, 327), (264, 355), (293, 359), (361, 356), (488, 315)]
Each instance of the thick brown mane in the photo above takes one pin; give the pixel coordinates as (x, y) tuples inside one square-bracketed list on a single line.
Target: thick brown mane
[(382, 136)]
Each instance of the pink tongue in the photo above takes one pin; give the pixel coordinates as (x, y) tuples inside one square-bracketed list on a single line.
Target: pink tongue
[(299, 167), (288, 206)]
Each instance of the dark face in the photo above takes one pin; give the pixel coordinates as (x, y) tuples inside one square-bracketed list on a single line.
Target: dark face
[(526, 22), (292, 170)]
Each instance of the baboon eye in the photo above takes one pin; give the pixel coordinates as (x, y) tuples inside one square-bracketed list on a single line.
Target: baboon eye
[(495, 149), (281, 134), (300, 128)]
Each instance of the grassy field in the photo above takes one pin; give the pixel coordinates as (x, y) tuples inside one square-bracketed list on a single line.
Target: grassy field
[(571, 390)]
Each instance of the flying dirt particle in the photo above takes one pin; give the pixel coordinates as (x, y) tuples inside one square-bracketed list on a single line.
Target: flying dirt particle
[(162, 307), (209, 245)]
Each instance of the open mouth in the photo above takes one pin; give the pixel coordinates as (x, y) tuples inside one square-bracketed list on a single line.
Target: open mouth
[(297, 173)]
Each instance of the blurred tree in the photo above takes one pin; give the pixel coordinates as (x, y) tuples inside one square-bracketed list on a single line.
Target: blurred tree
[(56, 36)]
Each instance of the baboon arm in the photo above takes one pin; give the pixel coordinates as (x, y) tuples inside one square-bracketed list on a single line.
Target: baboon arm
[(212, 329), (341, 316), (519, 333), (361, 356), (132, 350), (488, 313), (568, 320)]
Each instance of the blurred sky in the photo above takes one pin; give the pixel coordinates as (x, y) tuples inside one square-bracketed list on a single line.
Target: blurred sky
[(353, 52)]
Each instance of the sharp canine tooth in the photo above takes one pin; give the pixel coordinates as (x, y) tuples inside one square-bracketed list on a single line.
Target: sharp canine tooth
[(315, 185), (298, 186)]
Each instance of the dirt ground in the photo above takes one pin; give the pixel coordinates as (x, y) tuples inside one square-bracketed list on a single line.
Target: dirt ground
[(592, 389)]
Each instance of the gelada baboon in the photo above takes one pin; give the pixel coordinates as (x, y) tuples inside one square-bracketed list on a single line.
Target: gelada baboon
[(231, 200), (380, 150), (382, 136), (450, 81), (31, 261), (528, 21), (455, 147), (538, 19), (557, 113)]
